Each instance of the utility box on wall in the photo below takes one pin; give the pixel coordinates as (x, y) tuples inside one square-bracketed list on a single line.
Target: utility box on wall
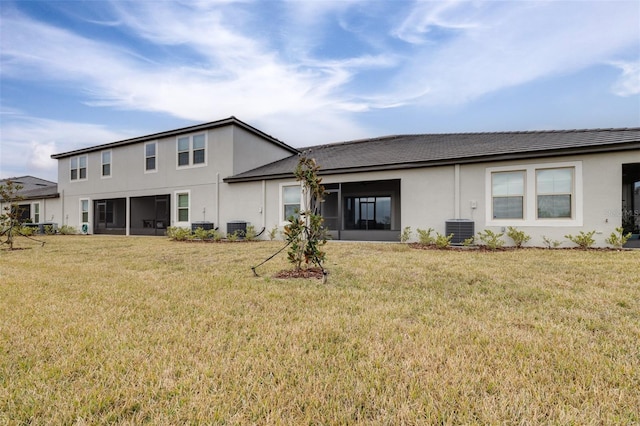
[(461, 229)]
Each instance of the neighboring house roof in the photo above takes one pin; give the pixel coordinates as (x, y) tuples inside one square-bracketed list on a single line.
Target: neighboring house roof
[(33, 187), (412, 151), (206, 126)]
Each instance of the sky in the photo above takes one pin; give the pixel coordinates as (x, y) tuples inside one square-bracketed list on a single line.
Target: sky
[(81, 73)]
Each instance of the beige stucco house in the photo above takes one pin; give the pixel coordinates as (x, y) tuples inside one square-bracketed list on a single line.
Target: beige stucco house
[(547, 183)]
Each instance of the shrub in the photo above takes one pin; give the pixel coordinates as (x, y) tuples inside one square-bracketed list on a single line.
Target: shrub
[(233, 237), (551, 243), (468, 242), (406, 234), (273, 233), (67, 230), (251, 233), (443, 241), (49, 230), (176, 233), (490, 239), (425, 237), (201, 234), (27, 231), (215, 235), (618, 238), (584, 240), (518, 237)]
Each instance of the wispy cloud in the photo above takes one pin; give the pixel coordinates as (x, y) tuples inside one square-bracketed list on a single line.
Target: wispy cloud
[(628, 84), (28, 142), (275, 64)]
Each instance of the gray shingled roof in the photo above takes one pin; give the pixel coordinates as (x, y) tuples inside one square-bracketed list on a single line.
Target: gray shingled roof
[(411, 151), (34, 188), (199, 127)]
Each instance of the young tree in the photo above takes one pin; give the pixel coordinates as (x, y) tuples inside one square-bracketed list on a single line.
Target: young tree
[(305, 233), (10, 216)]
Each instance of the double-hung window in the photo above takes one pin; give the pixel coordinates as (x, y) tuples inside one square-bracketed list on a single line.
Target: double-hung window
[(554, 191), (106, 163), (508, 194), (182, 202), (291, 196), (78, 168), (192, 150), (150, 154), (547, 194)]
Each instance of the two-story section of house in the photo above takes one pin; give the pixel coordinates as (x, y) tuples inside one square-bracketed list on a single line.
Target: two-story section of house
[(143, 185)]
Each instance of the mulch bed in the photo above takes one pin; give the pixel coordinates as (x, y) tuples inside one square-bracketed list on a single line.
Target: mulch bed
[(302, 273)]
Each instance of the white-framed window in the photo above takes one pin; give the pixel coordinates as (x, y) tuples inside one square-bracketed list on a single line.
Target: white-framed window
[(507, 192), (192, 150), (545, 194), (150, 157), (554, 193), (291, 199), (78, 166), (36, 212), (183, 206), (105, 157)]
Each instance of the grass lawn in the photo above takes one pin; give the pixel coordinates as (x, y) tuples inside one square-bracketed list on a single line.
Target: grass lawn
[(130, 330)]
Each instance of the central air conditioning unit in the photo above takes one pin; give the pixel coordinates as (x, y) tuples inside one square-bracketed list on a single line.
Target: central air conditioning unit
[(462, 229)]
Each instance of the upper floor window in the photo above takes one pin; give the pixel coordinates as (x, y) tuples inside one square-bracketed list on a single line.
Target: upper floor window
[(78, 167), (150, 155), (106, 163), (192, 150), (554, 191), (507, 190)]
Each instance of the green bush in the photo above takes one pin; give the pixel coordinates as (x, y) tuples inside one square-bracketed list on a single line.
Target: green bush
[(584, 240), (49, 230), (251, 233), (233, 237), (406, 234), (215, 235), (27, 231), (518, 237), (490, 239), (273, 233), (176, 233), (67, 230), (201, 234), (443, 241), (425, 237), (551, 243), (618, 238)]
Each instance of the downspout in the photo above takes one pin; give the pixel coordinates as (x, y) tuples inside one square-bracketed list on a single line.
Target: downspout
[(456, 191), (217, 225), (264, 204)]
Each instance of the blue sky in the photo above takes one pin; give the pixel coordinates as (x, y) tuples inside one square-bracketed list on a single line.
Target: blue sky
[(81, 73)]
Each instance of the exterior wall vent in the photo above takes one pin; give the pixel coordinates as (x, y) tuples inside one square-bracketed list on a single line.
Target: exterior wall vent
[(461, 229)]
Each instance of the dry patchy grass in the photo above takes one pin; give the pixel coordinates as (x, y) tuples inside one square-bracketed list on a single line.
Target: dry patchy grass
[(131, 330)]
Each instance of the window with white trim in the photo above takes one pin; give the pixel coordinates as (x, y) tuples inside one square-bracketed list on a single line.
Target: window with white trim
[(150, 155), (182, 205), (36, 212), (291, 196), (192, 150), (106, 163), (544, 194), (554, 193), (84, 211), (507, 189), (78, 168)]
